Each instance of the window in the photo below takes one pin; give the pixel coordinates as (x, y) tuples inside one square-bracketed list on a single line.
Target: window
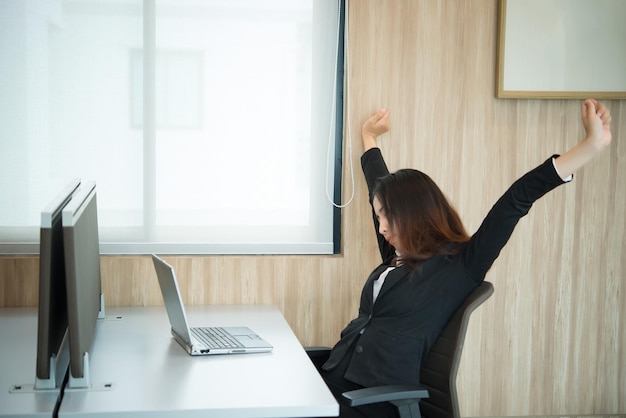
[(206, 124)]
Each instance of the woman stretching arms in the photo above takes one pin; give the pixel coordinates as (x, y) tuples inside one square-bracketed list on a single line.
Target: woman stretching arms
[(429, 262)]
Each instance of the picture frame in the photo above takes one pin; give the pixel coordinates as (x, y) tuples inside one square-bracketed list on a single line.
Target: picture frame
[(561, 49)]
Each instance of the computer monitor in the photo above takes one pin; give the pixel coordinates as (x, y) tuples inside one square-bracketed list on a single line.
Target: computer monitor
[(52, 342), (83, 283)]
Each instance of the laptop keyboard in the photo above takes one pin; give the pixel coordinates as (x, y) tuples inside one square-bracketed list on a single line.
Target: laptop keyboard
[(215, 337)]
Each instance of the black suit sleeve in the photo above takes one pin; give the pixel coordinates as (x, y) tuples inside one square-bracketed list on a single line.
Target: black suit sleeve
[(496, 229), (374, 167)]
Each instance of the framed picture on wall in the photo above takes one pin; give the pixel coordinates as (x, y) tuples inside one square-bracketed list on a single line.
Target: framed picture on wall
[(561, 49)]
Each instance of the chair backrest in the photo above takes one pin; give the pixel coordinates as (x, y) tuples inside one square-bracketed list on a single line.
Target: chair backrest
[(438, 373)]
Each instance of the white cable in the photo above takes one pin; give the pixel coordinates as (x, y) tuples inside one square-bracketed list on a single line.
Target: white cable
[(334, 106)]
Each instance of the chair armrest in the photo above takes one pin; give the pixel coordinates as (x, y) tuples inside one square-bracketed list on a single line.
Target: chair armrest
[(386, 393), (318, 356), (317, 351)]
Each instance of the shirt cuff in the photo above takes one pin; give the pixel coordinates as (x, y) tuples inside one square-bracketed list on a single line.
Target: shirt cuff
[(566, 179)]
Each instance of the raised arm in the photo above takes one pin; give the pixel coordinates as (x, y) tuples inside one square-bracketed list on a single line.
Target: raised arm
[(497, 227), (372, 161), (374, 167), (596, 119)]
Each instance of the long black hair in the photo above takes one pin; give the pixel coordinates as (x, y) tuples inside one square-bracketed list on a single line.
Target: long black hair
[(421, 216)]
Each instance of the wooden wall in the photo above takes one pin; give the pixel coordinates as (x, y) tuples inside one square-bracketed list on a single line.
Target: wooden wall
[(552, 339)]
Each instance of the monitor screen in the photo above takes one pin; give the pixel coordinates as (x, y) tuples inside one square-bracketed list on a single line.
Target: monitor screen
[(52, 347), (82, 265)]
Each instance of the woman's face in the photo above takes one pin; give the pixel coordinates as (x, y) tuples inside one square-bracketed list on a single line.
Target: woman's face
[(385, 228)]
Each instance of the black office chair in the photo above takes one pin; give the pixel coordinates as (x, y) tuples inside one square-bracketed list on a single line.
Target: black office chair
[(437, 395)]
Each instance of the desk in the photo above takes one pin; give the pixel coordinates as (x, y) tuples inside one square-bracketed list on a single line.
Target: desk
[(18, 353), (151, 375)]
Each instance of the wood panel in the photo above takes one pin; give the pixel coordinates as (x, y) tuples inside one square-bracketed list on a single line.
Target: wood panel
[(552, 339)]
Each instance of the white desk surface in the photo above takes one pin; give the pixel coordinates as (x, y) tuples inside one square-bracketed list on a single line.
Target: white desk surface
[(18, 353), (151, 375)]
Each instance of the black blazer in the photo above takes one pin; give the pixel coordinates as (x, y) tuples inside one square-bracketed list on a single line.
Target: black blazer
[(388, 340)]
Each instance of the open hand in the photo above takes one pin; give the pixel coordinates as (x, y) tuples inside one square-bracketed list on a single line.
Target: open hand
[(596, 119)]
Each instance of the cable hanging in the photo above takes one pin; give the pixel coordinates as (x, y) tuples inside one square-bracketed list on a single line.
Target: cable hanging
[(347, 112)]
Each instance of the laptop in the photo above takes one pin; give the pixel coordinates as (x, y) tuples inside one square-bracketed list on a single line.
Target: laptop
[(201, 341)]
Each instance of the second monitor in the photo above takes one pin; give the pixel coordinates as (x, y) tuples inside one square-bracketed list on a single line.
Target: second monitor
[(83, 285)]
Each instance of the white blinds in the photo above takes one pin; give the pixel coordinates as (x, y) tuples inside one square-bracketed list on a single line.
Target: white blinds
[(204, 123)]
